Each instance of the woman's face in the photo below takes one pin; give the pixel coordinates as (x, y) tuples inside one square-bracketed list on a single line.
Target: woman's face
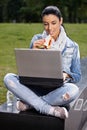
[(52, 25)]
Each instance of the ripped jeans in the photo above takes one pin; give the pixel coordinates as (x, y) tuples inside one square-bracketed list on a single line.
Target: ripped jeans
[(58, 97)]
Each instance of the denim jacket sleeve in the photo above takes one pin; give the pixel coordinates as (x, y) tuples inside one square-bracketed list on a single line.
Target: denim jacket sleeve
[(71, 61)]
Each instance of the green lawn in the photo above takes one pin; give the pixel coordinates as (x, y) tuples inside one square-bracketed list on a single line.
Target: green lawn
[(19, 36)]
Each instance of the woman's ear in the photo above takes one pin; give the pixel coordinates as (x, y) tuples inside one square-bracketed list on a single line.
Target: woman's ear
[(61, 21)]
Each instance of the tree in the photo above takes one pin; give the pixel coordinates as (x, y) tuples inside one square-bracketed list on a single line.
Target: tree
[(82, 11), (13, 9), (30, 10), (1, 13), (3, 4), (76, 10), (33, 10)]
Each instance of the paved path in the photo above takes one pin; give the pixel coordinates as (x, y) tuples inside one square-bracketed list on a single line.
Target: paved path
[(83, 81)]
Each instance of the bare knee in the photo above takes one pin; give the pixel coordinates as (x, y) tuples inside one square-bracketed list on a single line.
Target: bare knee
[(66, 96), (71, 93)]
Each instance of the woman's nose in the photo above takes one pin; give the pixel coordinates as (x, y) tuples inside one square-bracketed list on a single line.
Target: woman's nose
[(50, 26)]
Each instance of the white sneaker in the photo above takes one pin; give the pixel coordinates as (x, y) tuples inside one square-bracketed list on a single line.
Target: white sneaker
[(61, 112)]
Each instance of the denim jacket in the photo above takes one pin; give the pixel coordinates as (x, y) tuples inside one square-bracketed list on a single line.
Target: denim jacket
[(70, 57)]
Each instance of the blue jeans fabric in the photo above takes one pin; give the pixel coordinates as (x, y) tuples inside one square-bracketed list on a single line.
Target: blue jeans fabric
[(40, 103)]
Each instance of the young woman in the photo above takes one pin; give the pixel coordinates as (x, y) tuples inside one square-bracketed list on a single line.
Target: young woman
[(53, 102)]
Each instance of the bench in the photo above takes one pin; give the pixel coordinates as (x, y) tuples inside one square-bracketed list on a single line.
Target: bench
[(11, 118)]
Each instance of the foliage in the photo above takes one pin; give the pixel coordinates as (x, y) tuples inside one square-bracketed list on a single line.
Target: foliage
[(29, 11)]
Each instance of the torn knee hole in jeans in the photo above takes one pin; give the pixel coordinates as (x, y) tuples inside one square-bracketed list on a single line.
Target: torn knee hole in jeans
[(66, 96)]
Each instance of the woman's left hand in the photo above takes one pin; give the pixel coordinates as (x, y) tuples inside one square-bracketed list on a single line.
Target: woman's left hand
[(65, 76)]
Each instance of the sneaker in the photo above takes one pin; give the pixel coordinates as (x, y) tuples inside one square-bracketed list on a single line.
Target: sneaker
[(22, 106), (60, 112)]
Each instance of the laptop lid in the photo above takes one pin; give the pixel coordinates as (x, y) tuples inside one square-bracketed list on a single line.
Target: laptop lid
[(39, 67)]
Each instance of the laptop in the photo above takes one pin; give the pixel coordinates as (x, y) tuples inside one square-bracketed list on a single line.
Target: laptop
[(39, 67)]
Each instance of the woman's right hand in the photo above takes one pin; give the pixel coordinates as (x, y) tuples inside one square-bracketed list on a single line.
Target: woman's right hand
[(39, 44)]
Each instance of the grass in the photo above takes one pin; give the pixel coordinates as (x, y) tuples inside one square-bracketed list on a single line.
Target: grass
[(19, 36)]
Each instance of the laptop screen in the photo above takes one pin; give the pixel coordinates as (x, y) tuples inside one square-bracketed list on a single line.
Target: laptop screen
[(39, 67)]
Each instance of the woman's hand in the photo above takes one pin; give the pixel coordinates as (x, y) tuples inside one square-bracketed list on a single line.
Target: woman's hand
[(39, 44), (65, 76)]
